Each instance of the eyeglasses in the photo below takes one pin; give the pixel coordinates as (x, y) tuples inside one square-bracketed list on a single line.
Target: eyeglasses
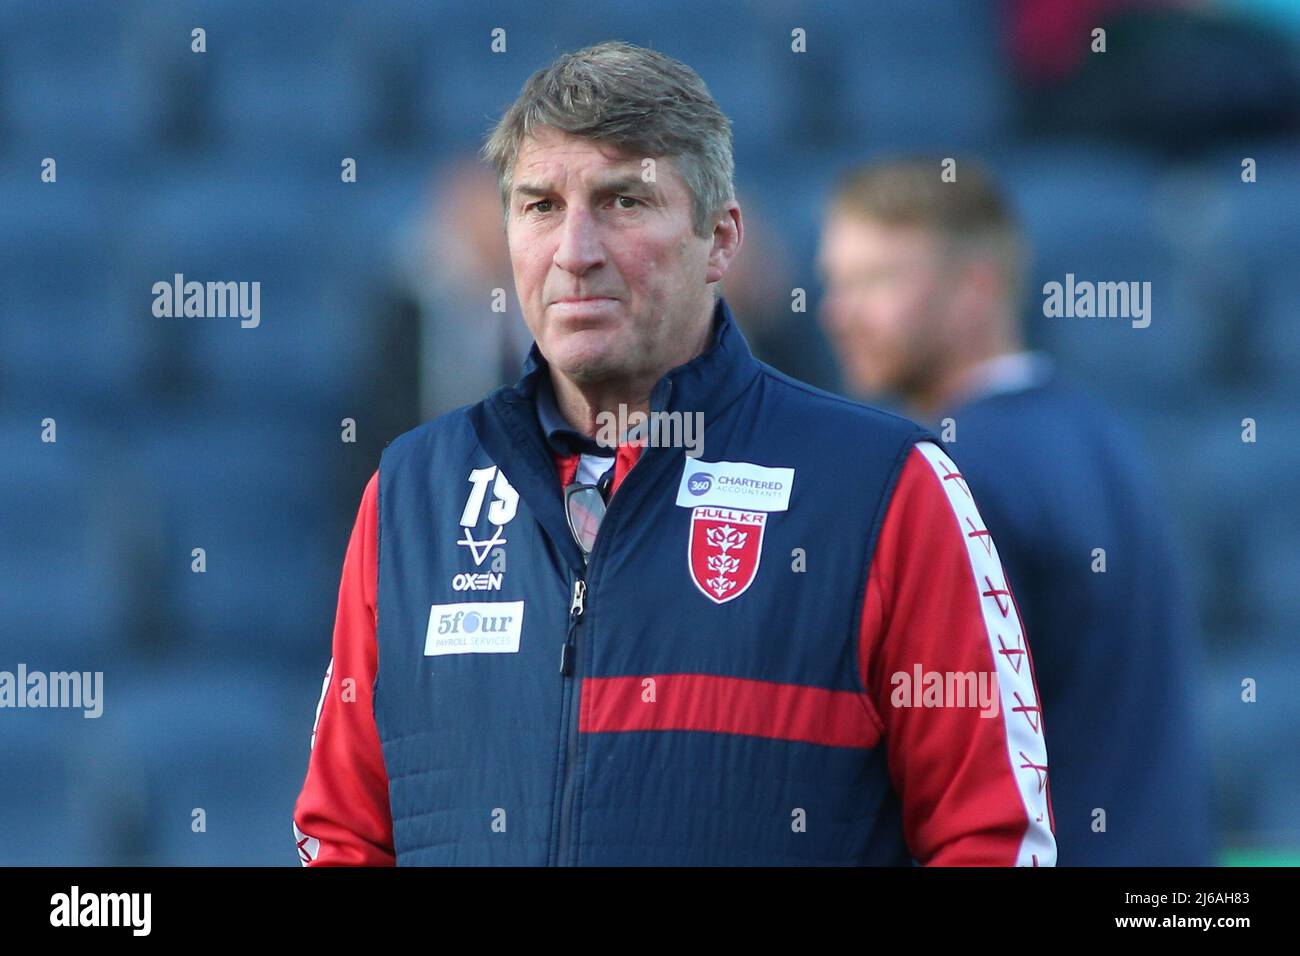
[(584, 506)]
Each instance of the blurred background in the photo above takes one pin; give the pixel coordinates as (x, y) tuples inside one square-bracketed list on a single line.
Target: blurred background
[(183, 433)]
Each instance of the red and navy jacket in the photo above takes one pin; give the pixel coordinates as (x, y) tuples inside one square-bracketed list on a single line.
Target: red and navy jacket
[(760, 663)]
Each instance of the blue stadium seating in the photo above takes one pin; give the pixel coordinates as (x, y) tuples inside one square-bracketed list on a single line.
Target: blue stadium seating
[(66, 90), (66, 560), (176, 433), (39, 791), (200, 733), (257, 492)]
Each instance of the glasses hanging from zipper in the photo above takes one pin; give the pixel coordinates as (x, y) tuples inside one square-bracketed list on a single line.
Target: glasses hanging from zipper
[(584, 506)]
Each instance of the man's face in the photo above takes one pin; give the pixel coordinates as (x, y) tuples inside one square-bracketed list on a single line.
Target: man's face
[(885, 302), (582, 224)]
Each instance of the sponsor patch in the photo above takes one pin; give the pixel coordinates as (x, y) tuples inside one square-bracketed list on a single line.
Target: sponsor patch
[(734, 484), (474, 628)]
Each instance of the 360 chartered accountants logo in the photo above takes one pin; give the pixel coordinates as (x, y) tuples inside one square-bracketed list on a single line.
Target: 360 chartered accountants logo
[(735, 484)]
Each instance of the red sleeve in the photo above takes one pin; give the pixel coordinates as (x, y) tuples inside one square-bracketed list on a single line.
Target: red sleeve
[(946, 664), (342, 815)]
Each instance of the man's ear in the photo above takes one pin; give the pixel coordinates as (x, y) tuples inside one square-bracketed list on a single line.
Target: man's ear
[(728, 234)]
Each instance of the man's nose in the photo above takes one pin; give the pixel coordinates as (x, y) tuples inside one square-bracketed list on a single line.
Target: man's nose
[(580, 248)]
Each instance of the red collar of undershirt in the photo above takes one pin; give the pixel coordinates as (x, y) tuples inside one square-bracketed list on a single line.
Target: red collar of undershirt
[(566, 466)]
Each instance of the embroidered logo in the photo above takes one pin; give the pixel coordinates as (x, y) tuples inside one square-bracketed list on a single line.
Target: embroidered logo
[(502, 508), (725, 548)]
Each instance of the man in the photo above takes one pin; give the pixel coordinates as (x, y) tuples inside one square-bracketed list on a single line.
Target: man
[(923, 281), (556, 651)]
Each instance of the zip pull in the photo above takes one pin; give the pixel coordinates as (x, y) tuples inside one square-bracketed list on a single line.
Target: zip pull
[(569, 652), (579, 597)]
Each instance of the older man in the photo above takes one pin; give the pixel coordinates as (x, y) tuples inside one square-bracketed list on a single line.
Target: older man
[(794, 645)]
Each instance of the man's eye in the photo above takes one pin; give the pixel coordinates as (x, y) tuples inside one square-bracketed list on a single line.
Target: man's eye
[(632, 199), (537, 205)]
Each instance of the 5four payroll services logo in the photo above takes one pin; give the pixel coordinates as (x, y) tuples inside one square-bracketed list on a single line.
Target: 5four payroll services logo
[(492, 628)]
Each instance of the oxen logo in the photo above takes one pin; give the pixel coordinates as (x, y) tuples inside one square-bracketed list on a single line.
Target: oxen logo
[(725, 547)]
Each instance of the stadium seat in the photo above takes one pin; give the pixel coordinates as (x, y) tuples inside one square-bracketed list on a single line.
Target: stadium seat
[(66, 560), (926, 75), (39, 822), (206, 734), (1256, 770), (63, 336), (260, 495), (1093, 212), (309, 345), (67, 89)]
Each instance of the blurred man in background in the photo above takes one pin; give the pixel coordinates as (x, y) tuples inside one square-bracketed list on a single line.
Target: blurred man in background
[(923, 289)]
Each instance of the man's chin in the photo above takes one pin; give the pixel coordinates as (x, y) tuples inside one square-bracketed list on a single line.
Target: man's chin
[(590, 364), (869, 383)]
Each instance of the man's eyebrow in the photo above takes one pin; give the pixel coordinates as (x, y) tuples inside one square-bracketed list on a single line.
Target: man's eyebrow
[(624, 184), (619, 184)]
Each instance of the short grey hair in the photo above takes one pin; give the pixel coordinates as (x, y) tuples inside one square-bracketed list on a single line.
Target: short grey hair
[(637, 100)]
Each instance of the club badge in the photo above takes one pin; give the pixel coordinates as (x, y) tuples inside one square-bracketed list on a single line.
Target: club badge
[(725, 547)]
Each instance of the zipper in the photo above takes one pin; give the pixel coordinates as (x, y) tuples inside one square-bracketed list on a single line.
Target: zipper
[(569, 672), (568, 657), (569, 660)]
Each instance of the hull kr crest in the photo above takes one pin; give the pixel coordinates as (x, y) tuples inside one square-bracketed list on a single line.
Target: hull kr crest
[(725, 548)]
